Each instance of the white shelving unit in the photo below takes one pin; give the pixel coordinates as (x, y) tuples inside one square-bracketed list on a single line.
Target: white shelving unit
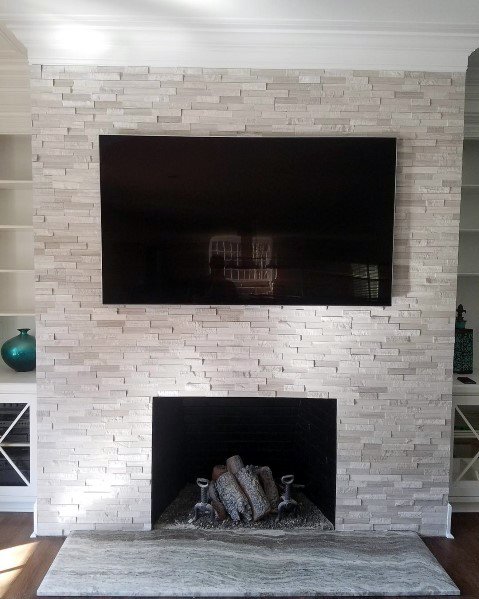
[(17, 389), (464, 494), (16, 241), (18, 446), (468, 271)]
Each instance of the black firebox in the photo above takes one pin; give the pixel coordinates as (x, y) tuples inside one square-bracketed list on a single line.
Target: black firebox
[(291, 435)]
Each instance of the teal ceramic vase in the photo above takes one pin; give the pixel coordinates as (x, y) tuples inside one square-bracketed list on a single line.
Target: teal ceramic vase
[(20, 352)]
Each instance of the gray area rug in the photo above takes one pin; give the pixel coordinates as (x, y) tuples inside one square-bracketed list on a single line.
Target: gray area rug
[(186, 562)]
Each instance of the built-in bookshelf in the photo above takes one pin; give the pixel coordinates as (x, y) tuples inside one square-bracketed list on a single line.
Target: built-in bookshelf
[(464, 493), (16, 242), (468, 270), (17, 450), (17, 389)]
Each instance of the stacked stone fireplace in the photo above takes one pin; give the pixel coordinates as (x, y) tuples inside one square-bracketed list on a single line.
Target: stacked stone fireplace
[(99, 366)]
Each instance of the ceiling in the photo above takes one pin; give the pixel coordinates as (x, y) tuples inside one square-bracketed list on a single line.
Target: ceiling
[(365, 11), (400, 34)]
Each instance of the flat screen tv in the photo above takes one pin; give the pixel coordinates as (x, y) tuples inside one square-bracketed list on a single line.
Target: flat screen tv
[(247, 220)]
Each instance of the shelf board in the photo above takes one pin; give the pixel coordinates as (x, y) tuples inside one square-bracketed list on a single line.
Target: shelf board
[(462, 389), (19, 227), (6, 313), (464, 435), (15, 444), (16, 183), (10, 377), (463, 230), (468, 274)]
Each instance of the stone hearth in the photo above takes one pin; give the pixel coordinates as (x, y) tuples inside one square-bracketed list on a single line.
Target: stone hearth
[(193, 563)]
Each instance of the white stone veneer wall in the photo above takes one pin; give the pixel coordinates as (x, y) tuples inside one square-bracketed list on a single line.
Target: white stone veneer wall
[(99, 366)]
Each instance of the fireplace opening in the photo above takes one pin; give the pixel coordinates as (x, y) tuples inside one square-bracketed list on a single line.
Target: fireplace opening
[(289, 435)]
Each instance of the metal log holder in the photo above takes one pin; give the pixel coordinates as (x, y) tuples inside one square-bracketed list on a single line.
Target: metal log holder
[(288, 505), (203, 508)]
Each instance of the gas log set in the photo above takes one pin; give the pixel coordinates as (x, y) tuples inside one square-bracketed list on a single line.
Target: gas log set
[(243, 493)]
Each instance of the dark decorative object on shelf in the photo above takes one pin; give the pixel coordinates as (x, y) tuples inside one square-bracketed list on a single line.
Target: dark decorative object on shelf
[(463, 350), (20, 352)]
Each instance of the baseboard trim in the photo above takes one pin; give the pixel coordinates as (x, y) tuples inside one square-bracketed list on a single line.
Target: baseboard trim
[(449, 535), (18, 506)]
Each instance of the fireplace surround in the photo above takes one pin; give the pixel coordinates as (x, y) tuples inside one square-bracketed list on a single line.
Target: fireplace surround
[(98, 367), (292, 436)]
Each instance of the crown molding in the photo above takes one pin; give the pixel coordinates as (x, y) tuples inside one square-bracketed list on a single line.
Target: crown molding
[(10, 47), (215, 42)]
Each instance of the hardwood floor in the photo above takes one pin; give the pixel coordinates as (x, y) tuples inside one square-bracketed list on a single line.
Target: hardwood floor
[(460, 557), (24, 561)]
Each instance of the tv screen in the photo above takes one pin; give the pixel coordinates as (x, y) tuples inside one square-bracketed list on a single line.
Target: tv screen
[(247, 220)]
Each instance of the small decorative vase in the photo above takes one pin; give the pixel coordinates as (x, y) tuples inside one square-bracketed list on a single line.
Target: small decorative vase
[(463, 351), (20, 352)]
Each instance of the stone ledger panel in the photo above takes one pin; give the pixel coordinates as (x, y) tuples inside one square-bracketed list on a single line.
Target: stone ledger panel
[(99, 367)]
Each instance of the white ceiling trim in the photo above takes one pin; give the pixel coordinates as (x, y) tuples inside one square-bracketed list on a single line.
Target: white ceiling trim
[(10, 47), (237, 43)]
